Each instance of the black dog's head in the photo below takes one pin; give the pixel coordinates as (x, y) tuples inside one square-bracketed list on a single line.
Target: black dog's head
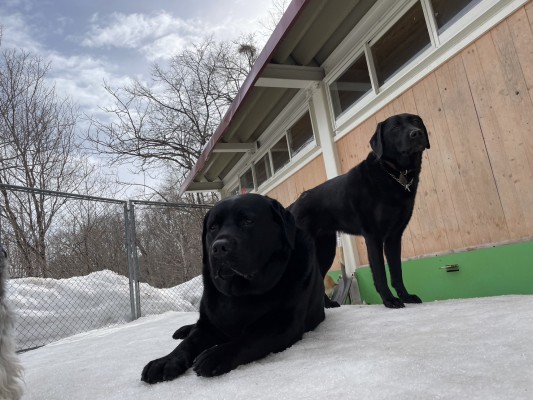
[(400, 139), (247, 240)]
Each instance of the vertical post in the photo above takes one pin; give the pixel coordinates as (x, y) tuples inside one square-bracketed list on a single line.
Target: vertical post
[(129, 252), (318, 106), (135, 259)]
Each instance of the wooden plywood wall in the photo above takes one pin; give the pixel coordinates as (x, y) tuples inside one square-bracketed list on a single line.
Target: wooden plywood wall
[(306, 178), (477, 178)]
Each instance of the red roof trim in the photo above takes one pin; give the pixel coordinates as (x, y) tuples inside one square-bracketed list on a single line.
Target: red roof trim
[(287, 21)]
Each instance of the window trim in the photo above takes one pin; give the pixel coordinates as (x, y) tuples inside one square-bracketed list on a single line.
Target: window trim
[(243, 172), (296, 109), (469, 26), (381, 32), (380, 20), (284, 135), (270, 169), (362, 51)]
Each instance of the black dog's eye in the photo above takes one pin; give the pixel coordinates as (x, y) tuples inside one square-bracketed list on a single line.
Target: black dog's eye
[(247, 222), (213, 227)]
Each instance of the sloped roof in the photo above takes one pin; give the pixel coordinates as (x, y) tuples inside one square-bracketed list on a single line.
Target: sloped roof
[(306, 35)]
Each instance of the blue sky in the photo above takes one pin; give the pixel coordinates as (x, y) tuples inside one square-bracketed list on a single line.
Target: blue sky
[(88, 41)]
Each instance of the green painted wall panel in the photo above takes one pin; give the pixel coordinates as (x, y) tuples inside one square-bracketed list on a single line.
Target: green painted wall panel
[(492, 271)]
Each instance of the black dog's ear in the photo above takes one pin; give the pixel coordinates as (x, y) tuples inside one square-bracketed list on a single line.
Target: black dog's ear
[(205, 253), (426, 136), (287, 222), (376, 141)]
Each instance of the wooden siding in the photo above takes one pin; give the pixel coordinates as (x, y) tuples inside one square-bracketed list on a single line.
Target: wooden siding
[(477, 178), (306, 178)]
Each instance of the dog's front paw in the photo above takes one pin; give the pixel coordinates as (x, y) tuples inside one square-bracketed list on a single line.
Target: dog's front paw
[(164, 369), (212, 362), (328, 303), (393, 302), (410, 298)]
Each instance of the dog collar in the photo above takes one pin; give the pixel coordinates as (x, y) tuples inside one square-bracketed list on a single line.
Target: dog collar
[(402, 175)]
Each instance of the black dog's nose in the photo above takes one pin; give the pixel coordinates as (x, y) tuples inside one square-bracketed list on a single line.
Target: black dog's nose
[(221, 247), (415, 133)]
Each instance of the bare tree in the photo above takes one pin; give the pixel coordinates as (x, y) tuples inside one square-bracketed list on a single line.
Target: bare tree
[(91, 240), (38, 149), (275, 12), (169, 121), (170, 244)]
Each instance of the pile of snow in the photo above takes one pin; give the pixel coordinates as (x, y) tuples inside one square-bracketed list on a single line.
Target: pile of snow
[(455, 349), (51, 309)]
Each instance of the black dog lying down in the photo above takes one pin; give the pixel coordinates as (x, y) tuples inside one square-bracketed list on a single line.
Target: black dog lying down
[(262, 290), (374, 199)]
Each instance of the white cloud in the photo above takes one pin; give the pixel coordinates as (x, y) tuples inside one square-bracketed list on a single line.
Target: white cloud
[(164, 47), (161, 35), (17, 33), (81, 78), (157, 35)]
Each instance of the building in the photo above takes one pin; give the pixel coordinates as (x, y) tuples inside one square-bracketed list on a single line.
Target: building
[(333, 69)]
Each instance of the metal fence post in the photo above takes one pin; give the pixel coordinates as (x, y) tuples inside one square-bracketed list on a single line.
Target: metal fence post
[(135, 259), (129, 252)]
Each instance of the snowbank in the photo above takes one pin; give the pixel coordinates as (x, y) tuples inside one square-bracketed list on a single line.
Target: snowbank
[(51, 309)]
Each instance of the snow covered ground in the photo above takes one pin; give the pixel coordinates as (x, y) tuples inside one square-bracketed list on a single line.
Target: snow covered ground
[(456, 349)]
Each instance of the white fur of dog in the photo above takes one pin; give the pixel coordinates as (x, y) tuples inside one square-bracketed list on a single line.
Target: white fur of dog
[(11, 372)]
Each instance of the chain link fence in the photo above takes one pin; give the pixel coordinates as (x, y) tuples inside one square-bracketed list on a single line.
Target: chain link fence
[(80, 262)]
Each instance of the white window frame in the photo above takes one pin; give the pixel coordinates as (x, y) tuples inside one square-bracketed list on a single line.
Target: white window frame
[(244, 171), (415, 60), (283, 135), (297, 107), (358, 52), (271, 167), (391, 16), (462, 30)]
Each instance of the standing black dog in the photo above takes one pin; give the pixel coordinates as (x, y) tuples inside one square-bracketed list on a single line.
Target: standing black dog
[(262, 290), (374, 199)]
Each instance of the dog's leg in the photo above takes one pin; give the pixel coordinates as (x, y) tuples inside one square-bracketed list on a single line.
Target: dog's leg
[(181, 358), (393, 252), (183, 332), (256, 343), (374, 247), (328, 303), (325, 244)]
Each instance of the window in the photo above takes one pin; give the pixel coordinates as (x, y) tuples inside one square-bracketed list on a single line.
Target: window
[(234, 191), (280, 154), (401, 43), (247, 181), (262, 170), (353, 84), (444, 11), (300, 134)]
